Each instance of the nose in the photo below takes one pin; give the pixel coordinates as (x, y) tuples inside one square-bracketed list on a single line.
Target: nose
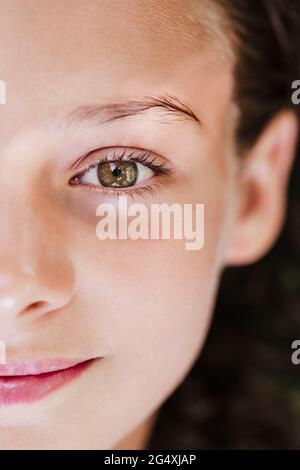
[(36, 277), (24, 291)]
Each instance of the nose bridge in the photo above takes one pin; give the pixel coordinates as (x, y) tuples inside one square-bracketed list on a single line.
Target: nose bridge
[(20, 229), (33, 268), (15, 210)]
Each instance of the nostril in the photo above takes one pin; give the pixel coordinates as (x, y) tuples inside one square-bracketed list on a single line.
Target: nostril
[(34, 306)]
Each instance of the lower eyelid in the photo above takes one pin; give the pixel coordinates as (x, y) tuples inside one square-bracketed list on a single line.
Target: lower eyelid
[(134, 192), (98, 187)]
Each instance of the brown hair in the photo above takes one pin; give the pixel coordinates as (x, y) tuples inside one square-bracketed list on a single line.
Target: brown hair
[(265, 37)]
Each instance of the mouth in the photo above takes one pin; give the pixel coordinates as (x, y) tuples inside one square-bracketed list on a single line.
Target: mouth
[(24, 383)]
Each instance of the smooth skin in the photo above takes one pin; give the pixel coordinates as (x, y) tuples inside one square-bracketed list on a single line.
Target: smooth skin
[(144, 306)]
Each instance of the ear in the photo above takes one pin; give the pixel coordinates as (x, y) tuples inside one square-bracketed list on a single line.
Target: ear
[(261, 189)]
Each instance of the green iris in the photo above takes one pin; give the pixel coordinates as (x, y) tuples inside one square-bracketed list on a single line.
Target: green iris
[(119, 174)]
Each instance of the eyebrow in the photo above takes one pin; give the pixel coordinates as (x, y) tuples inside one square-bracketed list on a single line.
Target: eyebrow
[(100, 114)]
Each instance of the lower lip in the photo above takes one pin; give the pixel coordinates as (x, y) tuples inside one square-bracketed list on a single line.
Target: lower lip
[(22, 389)]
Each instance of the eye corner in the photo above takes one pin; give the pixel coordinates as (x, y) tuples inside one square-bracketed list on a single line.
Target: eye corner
[(74, 180)]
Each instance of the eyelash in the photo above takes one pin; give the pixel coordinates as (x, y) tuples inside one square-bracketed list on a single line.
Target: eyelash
[(145, 158)]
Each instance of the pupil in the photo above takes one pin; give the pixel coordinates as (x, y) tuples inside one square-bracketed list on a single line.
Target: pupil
[(116, 171)]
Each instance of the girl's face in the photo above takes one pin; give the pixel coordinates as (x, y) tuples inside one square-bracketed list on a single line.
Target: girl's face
[(139, 308)]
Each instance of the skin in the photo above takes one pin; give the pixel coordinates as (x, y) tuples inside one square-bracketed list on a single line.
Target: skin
[(144, 306)]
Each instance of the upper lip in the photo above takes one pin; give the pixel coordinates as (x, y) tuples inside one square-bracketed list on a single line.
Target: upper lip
[(37, 367)]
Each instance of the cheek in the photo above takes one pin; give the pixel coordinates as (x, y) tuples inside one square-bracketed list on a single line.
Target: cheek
[(147, 304), (168, 312)]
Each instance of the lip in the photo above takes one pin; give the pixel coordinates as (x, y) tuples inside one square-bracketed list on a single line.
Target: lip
[(26, 382)]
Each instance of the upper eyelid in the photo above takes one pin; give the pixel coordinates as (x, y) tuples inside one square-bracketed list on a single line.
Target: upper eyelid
[(134, 154), (78, 162)]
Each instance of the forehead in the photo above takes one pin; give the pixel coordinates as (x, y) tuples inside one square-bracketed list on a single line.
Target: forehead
[(72, 53)]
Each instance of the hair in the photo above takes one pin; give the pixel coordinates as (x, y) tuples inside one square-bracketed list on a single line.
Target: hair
[(244, 391), (266, 42)]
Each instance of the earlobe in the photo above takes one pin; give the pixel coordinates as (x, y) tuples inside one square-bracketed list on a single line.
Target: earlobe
[(261, 191)]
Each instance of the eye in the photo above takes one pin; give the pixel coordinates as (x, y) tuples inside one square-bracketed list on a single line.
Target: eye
[(120, 169), (117, 174)]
